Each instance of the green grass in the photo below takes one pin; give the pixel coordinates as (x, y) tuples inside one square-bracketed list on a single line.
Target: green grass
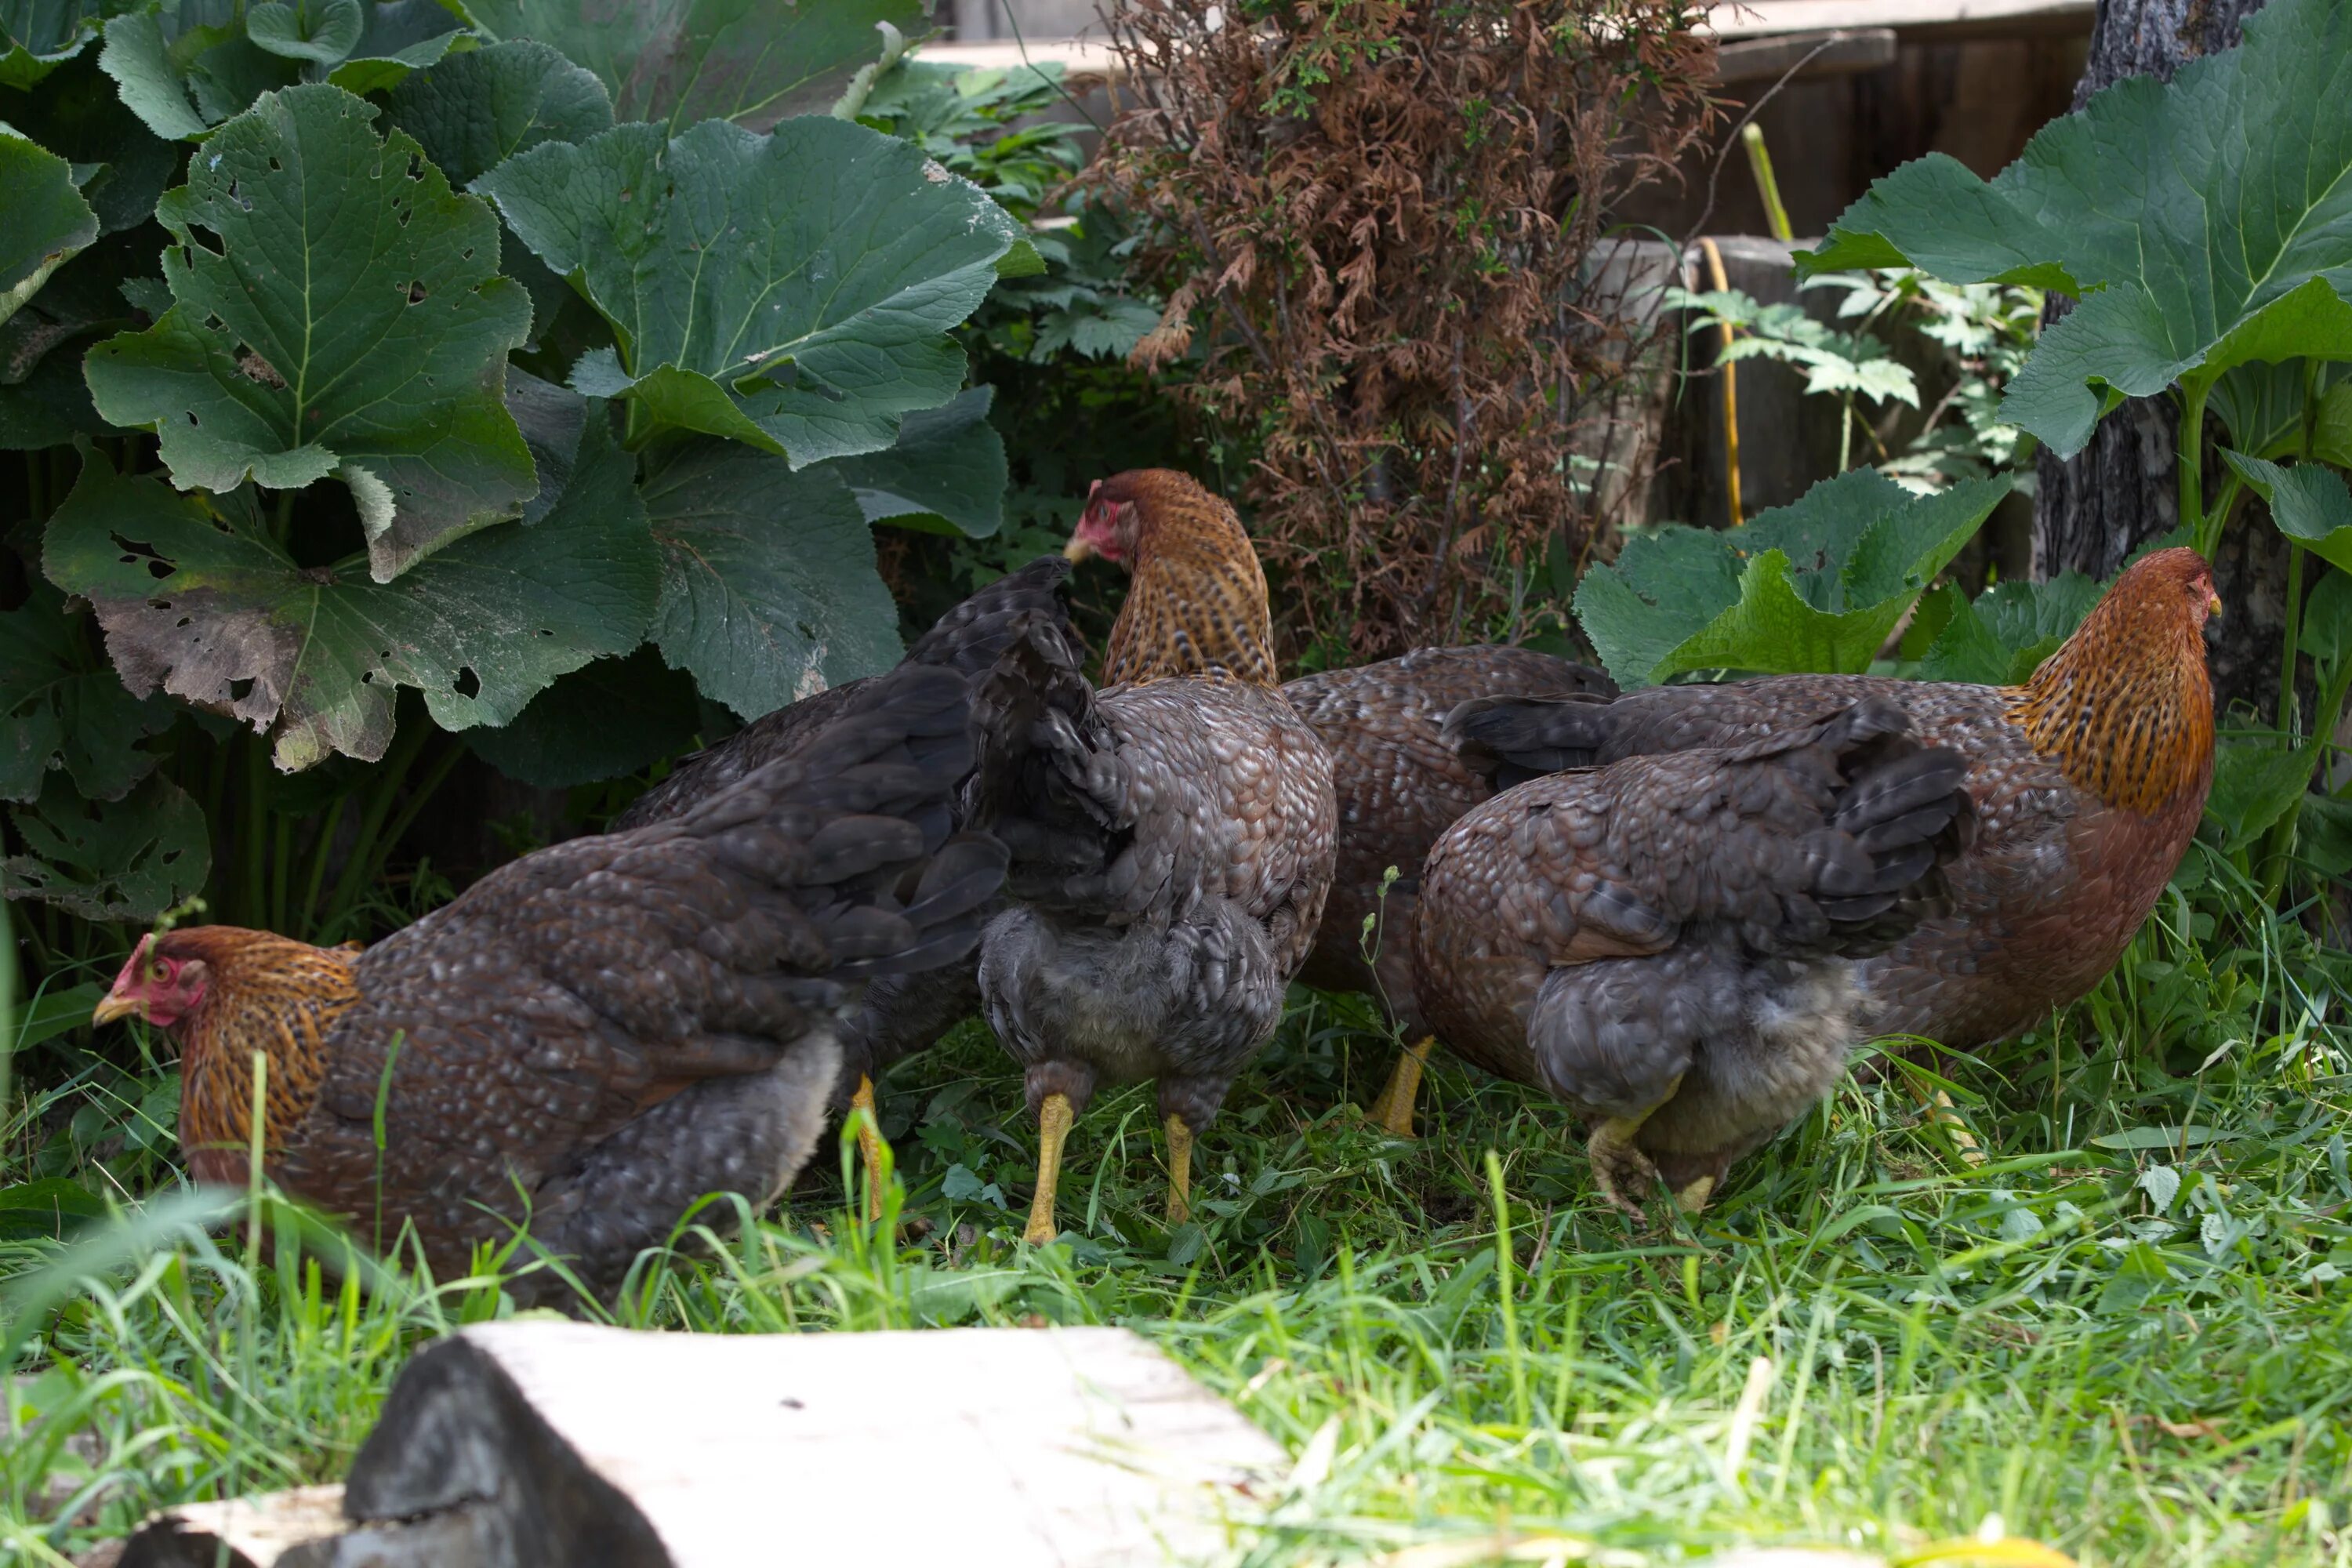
[(2128, 1341)]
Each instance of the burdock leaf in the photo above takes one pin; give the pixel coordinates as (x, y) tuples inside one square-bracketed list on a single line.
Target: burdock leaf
[(337, 310)]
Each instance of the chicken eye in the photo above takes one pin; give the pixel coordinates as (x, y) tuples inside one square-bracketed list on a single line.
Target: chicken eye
[(158, 974)]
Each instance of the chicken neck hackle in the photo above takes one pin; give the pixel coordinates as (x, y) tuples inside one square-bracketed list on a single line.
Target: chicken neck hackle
[(1197, 603), (2126, 707), (226, 993)]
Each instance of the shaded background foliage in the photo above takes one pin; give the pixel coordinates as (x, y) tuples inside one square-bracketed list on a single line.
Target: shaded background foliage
[(1375, 226)]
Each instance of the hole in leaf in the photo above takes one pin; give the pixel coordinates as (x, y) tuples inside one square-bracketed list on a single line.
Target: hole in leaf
[(416, 291), (241, 689), (469, 685), (274, 166)]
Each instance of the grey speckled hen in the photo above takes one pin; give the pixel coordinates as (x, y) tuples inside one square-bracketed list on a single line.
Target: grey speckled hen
[(1669, 944), (1171, 839)]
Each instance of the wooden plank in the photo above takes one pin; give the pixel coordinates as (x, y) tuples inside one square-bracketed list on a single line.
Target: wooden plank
[(1081, 60), (1752, 34), (1073, 1448), (1814, 54), (1910, 19)]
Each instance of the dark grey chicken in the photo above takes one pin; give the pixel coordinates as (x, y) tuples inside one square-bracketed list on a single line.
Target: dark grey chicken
[(902, 1012), (1171, 836)]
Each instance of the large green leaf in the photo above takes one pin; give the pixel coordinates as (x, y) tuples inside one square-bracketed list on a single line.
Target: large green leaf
[(343, 315), (2309, 502), (1815, 585), (2254, 784), (473, 112), (677, 61), (120, 166), (38, 36), (946, 475), (47, 221), (793, 291), (202, 602), (604, 722), (769, 592), (185, 66), (2205, 224), (60, 708), (129, 860), (2001, 636)]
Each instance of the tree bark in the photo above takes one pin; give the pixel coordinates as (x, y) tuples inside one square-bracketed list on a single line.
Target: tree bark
[(2122, 489)]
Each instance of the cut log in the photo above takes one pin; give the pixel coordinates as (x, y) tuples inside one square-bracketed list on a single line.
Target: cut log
[(568, 1443), (304, 1527)]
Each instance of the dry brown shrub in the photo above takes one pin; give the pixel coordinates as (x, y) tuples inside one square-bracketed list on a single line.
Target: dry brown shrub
[(1374, 222)]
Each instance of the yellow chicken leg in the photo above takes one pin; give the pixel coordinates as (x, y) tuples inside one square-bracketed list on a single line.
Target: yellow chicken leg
[(1180, 1170), (1393, 1110), (1054, 1119), (1619, 1163), (869, 1144)]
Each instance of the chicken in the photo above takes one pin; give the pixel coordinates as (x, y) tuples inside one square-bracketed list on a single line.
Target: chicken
[(1171, 835), (1669, 944), (592, 1037), (903, 1012), (2089, 780), (1398, 786)]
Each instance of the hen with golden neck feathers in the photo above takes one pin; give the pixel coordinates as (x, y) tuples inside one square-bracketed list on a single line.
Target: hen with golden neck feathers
[(590, 1039), (2088, 782)]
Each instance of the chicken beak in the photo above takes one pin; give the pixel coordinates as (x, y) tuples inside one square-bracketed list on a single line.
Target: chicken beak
[(115, 1005), (2213, 605), (1077, 549)]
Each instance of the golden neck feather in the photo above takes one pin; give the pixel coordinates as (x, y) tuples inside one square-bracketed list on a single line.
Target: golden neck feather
[(2126, 707), (1197, 604)]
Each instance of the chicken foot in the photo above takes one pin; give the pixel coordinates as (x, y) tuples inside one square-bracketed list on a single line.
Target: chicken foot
[(1393, 1110), (1618, 1163), (1180, 1170), (869, 1144), (1054, 1119)]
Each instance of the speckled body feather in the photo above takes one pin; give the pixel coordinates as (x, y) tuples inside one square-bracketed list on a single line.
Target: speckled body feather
[(598, 1033), (901, 1014), (2088, 784), (1398, 786), (1681, 932)]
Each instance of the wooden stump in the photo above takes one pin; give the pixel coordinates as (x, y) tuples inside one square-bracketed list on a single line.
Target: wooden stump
[(549, 1444)]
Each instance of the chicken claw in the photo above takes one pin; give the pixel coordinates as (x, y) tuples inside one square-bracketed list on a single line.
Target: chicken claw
[(1393, 1110), (1180, 1170), (869, 1144), (1617, 1164), (1054, 1119)]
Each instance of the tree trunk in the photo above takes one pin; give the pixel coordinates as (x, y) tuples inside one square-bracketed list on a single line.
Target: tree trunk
[(2122, 489)]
